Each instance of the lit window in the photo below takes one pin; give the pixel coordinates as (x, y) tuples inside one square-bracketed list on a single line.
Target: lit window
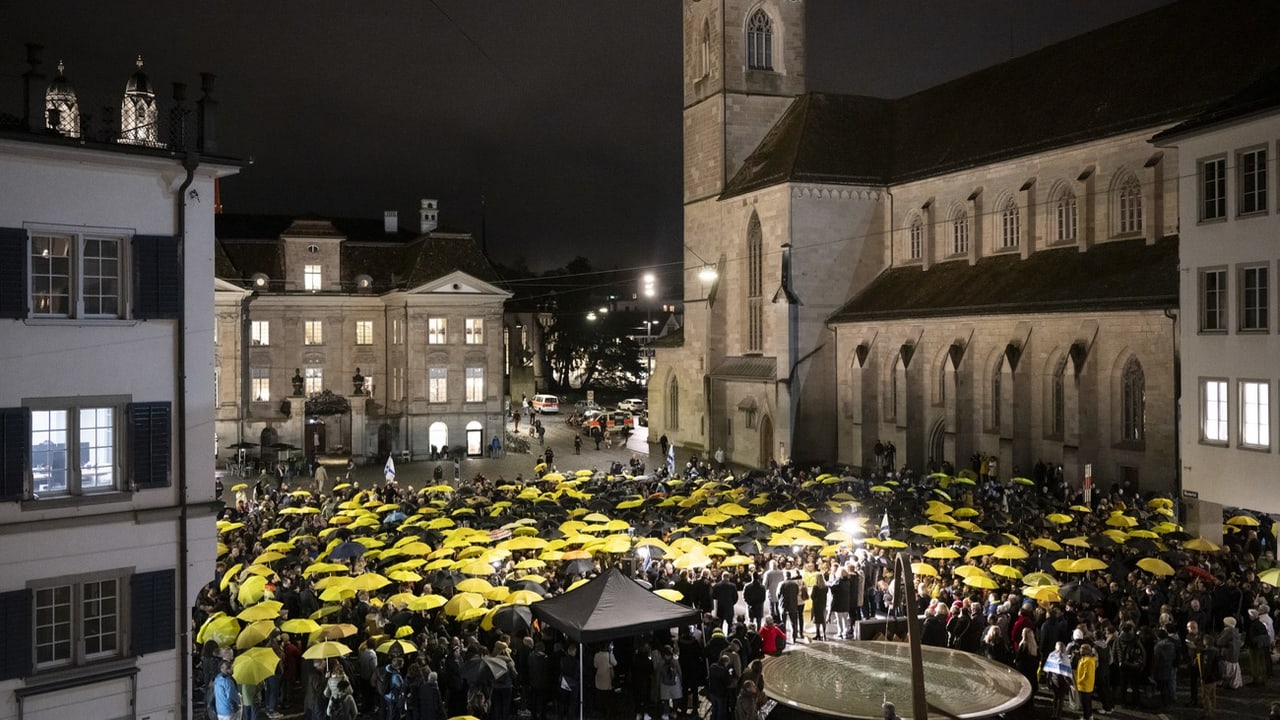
[(916, 238), (397, 331), (313, 380), (474, 331), (437, 384), (1255, 414), (73, 451), (1254, 298), (397, 383), (368, 385), (475, 384), (959, 233), (79, 622), (76, 276), (313, 332), (1129, 206), (260, 381), (1253, 180), (436, 331), (1213, 411), (1213, 300), (1010, 225), (760, 41), (311, 277), (1133, 400), (260, 332), (1064, 217), (1213, 189), (364, 332)]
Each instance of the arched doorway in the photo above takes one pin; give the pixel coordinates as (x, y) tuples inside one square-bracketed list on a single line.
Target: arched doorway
[(438, 437), (938, 442), (766, 441), (384, 439), (475, 439), (315, 438)]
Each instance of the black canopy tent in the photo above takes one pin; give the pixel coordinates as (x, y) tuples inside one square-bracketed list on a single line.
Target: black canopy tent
[(610, 606)]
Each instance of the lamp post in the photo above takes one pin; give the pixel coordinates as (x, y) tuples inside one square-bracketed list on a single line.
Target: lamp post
[(650, 289)]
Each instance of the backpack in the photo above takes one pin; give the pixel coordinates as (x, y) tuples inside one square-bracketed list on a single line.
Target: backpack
[(1133, 655)]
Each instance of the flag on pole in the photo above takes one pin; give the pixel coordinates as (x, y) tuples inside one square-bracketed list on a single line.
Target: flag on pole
[(389, 470), (884, 526), (671, 459)]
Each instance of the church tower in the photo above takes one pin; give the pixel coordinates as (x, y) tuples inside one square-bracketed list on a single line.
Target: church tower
[(743, 64), (139, 116)]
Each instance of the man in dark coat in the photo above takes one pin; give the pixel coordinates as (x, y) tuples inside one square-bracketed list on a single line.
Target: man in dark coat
[(789, 595), (755, 595), (725, 595), (719, 688)]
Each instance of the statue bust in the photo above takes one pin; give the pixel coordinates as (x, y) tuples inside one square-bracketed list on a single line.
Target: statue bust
[(357, 381), (297, 382)]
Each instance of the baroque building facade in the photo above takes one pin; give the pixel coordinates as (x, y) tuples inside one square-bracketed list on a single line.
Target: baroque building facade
[(106, 316), (401, 331), (985, 267)]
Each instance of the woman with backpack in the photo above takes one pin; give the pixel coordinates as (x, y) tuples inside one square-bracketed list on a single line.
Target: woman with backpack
[(670, 689)]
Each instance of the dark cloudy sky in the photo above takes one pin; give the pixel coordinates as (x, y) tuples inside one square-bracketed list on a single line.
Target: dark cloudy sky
[(564, 115)]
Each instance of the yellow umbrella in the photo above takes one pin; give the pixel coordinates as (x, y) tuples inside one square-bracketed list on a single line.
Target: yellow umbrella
[(463, 601), (1038, 579), (670, 594), (1270, 576), (1200, 544), (472, 614), (404, 576), (323, 567), (252, 590), (942, 553), (255, 633), (404, 631), (1058, 518), (1243, 521), (691, 560), (497, 594), (1080, 542), (267, 610), (326, 649), (1118, 519), (1047, 544), (337, 593), (966, 571), (220, 628), (300, 626), (269, 556), (1156, 566), (1064, 565), (335, 631), (369, 581), (922, 568), (1043, 593), (1008, 571), (1086, 564), (405, 646), (979, 550), (477, 568), (978, 581), (475, 584), (427, 602), (229, 575), (530, 564), (1009, 552), (254, 665)]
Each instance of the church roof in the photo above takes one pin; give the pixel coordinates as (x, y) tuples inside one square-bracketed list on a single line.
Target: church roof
[(249, 244), (1120, 275), (1155, 68), (1258, 97)]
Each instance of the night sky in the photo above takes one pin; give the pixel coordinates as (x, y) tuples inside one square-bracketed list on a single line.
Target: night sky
[(563, 115)]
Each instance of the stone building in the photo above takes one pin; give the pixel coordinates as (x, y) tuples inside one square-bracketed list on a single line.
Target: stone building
[(399, 331), (106, 456), (988, 266)]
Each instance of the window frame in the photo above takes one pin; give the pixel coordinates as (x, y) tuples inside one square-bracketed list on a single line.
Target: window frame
[(960, 240), (915, 238), (260, 383), (260, 333), (473, 331), (364, 332), (77, 621), (437, 331), (312, 332), (76, 283), (1129, 214), (1066, 217), (1215, 407), (1211, 181), (1253, 201), (1133, 402), (1261, 421), (75, 466), (1261, 312), (1221, 324), (312, 277), (474, 384), (437, 384), (1010, 225), (759, 41), (312, 380), (755, 285)]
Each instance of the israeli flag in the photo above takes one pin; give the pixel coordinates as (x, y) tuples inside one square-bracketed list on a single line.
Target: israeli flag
[(884, 526), (389, 470), (671, 459)]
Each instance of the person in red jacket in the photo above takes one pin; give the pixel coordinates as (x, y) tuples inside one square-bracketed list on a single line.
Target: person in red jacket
[(772, 637)]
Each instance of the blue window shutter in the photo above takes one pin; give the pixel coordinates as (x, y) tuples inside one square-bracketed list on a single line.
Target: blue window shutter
[(150, 443), (13, 273), (15, 634), (157, 278), (152, 625), (15, 452)]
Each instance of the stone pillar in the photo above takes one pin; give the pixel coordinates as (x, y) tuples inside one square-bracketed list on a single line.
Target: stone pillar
[(359, 418)]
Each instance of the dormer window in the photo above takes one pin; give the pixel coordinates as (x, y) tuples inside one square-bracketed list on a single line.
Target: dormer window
[(313, 249), (260, 281), (311, 278), (364, 283)]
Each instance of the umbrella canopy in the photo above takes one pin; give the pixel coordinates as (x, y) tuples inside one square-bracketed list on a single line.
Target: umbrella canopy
[(463, 601), (1080, 592), (1270, 576), (300, 626), (268, 610), (1156, 566), (509, 618), (326, 649), (254, 665), (405, 647), (484, 670), (221, 628), (255, 633)]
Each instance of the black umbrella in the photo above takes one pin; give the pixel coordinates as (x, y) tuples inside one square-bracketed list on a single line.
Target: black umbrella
[(1080, 592), (483, 670), (243, 446), (446, 579), (347, 551), (513, 618), (529, 585), (581, 565)]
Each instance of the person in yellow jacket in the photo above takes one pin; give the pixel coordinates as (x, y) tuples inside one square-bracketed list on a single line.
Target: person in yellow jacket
[(1086, 672)]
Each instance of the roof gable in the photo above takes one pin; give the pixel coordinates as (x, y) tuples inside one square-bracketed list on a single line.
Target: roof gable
[(458, 283)]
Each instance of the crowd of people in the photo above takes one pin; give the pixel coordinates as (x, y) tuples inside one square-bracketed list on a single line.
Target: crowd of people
[(372, 590)]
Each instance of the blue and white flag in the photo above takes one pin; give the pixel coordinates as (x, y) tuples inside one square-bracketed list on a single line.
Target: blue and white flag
[(389, 470), (671, 459), (884, 526)]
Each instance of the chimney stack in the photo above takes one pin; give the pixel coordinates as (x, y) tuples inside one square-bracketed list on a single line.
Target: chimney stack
[(428, 216), (391, 221), (33, 91), (207, 116), (178, 134)]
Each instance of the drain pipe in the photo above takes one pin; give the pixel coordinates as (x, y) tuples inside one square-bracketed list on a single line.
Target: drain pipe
[(190, 161)]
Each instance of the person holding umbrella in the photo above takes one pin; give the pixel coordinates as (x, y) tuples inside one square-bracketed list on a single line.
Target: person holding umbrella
[(226, 696)]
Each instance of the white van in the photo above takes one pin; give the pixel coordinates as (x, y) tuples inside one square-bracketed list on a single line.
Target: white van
[(546, 404)]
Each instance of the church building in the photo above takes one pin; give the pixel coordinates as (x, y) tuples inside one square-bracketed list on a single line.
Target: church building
[(987, 267)]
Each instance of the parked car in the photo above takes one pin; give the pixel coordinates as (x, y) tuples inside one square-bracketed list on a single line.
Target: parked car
[(644, 418), (545, 404), (619, 421), (633, 405)]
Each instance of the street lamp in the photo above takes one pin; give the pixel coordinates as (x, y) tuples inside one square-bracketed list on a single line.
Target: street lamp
[(650, 288)]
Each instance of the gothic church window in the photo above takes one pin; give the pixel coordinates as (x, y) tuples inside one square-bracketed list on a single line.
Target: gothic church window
[(1058, 423), (760, 41), (1010, 225), (959, 233), (1133, 399), (1064, 216), (915, 244), (997, 395), (755, 285), (673, 404), (704, 50), (1128, 205)]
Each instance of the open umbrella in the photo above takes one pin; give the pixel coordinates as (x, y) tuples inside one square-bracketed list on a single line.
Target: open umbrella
[(1043, 593), (405, 646), (254, 665), (1201, 573), (255, 633), (1080, 592), (220, 628), (463, 601), (347, 551), (268, 610), (300, 626), (511, 619), (484, 670), (1156, 566), (1270, 576), (1200, 545), (326, 649), (1243, 521)]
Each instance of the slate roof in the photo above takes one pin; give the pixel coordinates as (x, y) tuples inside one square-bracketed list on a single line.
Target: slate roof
[(746, 367), (1155, 68), (1258, 97), (249, 244), (1121, 275)]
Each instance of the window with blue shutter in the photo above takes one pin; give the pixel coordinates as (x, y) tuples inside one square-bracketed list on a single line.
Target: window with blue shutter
[(157, 278), (150, 442), (13, 273), (15, 634), (15, 452), (152, 627)]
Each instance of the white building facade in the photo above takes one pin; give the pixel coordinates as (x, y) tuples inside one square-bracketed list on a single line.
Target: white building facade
[(106, 473)]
